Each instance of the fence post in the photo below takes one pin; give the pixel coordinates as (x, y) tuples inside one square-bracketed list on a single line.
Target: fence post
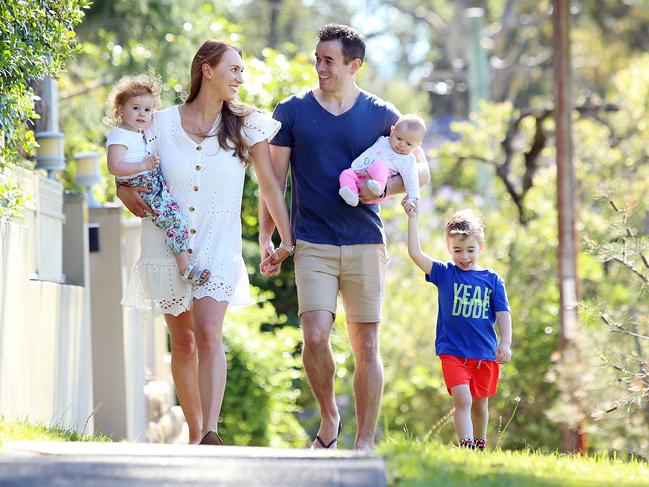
[(115, 402)]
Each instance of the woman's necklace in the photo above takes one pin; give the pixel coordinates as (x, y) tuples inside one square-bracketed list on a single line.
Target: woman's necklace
[(203, 133)]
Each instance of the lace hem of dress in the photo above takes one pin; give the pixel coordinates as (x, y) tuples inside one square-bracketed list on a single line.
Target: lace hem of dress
[(155, 286)]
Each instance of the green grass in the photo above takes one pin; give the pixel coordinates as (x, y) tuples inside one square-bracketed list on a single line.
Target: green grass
[(23, 430), (413, 463)]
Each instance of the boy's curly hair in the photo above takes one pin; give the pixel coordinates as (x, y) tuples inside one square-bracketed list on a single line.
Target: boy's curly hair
[(128, 87), (466, 223)]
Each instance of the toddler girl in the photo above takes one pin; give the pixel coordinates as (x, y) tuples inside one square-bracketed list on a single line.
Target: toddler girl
[(132, 161)]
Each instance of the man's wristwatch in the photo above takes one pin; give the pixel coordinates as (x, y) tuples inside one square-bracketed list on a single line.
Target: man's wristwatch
[(289, 248)]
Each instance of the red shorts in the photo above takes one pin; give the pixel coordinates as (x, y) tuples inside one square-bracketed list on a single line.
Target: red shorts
[(480, 375)]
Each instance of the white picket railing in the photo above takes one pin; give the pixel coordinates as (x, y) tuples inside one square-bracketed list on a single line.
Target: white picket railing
[(44, 328), (48, 329)]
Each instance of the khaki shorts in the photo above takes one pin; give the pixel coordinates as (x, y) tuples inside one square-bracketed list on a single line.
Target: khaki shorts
[(357, 271)]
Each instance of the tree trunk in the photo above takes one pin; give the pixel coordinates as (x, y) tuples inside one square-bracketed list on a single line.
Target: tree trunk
[(275, 7), (567, 213)]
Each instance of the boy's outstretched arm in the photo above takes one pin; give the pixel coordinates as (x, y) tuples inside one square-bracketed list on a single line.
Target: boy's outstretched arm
[(504, 352), (423, 261)]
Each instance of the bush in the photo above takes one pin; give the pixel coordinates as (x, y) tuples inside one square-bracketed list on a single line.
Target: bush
[(36, 39), (264, 369)]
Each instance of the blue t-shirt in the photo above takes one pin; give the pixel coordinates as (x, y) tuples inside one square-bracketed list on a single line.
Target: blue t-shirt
[(322, 146), (468, 302)]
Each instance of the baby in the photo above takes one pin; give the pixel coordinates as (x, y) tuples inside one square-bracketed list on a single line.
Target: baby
[(386, 157)]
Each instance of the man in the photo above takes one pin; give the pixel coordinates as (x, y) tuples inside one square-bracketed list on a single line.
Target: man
[(338, 247)]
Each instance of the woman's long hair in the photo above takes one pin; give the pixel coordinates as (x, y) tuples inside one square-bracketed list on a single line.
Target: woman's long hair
[(233, 111)]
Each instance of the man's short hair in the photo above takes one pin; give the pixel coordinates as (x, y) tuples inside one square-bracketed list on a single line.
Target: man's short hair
[(352, 41), (467, 224)]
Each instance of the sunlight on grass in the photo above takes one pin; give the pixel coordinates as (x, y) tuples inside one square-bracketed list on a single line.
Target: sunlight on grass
[(23, 430), (412, 463)]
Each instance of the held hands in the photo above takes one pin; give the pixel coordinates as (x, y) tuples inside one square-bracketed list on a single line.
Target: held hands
[(410, 205), (268, 256), (503, 354), (271, 257), (151, 162), (272, 264)]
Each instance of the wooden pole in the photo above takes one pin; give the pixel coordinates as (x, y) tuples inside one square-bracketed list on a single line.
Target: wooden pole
[(573, 440), (478, 78)]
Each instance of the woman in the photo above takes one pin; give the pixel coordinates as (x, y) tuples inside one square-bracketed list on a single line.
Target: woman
[(203, 146)]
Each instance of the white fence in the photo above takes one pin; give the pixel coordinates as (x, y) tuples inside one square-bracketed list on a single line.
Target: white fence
[(66, 357), (45, 361)]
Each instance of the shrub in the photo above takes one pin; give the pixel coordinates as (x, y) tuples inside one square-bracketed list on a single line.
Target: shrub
[(264, 369), (36, 39)]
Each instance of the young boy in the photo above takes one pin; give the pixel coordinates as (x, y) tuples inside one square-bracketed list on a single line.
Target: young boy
[(470, 300)]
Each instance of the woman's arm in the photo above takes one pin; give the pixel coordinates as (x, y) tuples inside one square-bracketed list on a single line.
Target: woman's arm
[(271, 198), (423, 261), (280, 158), (118, 167), (130, 196)]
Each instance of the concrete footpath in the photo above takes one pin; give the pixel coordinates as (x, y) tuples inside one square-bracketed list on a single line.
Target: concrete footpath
[(67, 464)]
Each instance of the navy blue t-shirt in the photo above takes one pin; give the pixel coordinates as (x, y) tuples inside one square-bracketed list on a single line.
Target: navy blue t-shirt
[(468, 302), (322, 146)]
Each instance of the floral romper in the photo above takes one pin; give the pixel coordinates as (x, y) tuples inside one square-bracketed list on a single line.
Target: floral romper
[(167, 214)]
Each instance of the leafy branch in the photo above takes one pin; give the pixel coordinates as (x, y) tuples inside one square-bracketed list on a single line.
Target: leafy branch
[(619, 327), (627, 250), (518, 190)]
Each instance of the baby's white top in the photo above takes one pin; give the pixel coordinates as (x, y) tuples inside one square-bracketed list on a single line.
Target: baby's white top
[(403, 164), (135, 143)]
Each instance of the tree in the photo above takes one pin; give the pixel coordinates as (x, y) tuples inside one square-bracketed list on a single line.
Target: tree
[(278, 23), (36, 40), (431, 46), (618, 237)]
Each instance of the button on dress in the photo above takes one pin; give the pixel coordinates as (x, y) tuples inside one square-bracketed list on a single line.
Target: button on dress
[(207, 181)]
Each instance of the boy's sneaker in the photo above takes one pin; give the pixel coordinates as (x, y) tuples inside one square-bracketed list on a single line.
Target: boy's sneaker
[(349, 196), (375, 187), (480, 443), (466, 442)]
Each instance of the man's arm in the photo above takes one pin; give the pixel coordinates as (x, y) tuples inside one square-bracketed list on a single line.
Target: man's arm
[(280, 157), (395, 183)]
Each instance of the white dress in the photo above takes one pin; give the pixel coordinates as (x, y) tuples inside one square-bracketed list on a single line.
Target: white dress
[(207, 182)]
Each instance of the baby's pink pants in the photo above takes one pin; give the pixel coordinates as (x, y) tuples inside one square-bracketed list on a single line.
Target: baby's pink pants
[(377, 171)]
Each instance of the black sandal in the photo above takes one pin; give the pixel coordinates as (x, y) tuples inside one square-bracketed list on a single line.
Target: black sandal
[(332, 442), (211, 438)]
